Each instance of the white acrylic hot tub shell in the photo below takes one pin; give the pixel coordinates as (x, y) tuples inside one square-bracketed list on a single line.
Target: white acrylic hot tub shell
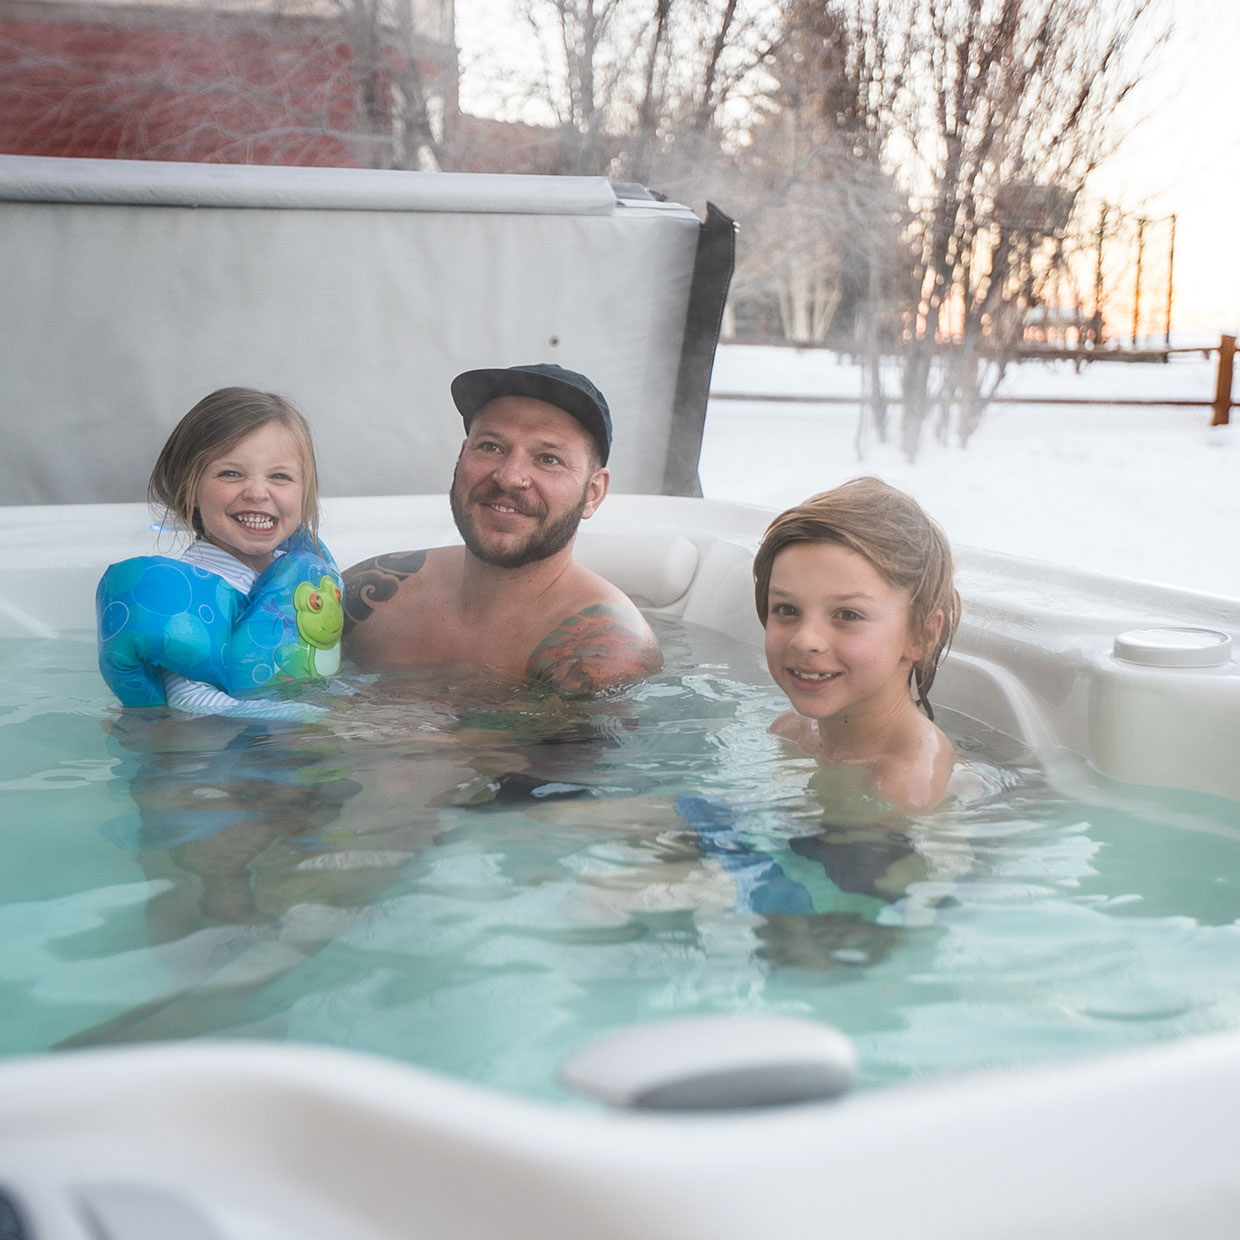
[(269, 1143), (262, 1141)]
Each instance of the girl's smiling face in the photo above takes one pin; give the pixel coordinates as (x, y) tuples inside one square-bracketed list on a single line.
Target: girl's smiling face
[(250, 499), (837, 633)]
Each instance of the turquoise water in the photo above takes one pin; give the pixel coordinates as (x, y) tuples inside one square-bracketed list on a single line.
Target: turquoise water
[(426, 879)]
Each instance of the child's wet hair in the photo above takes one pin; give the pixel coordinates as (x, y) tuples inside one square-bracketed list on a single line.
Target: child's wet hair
[(213, 428), (889, 529)]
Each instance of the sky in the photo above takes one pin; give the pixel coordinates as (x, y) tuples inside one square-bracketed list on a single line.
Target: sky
[(1182, 158), (1148, 493)]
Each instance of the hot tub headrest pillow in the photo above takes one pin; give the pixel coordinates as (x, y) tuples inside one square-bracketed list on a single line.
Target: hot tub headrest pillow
[(155, 613)]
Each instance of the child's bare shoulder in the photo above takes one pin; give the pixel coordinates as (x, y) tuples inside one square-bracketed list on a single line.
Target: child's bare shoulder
[(914, 775), (794, 727)]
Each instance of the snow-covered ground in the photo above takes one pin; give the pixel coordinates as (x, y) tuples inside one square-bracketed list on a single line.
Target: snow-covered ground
[(1151, 493)]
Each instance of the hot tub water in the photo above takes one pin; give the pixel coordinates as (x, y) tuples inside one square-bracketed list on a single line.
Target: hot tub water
[(465, 877)]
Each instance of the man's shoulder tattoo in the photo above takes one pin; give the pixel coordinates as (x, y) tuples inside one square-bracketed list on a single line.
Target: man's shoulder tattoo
[(597, 648), (376, 581)]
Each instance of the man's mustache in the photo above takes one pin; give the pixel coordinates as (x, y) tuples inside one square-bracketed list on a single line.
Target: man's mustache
[(525, 505)]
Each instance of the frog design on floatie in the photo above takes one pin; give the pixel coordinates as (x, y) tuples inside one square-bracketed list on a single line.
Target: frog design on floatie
[(320, 623)]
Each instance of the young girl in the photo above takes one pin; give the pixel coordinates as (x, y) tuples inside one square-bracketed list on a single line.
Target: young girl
[(255, 599), (854, 589)]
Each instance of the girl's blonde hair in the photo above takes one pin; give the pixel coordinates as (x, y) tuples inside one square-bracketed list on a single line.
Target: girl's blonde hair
[(889, 529), (210, 430)]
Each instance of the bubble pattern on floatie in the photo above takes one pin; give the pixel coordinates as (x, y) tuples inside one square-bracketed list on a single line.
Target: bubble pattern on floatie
[(157, 613)]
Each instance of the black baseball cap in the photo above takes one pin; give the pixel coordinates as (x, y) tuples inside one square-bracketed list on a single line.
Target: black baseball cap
[(565, 389)]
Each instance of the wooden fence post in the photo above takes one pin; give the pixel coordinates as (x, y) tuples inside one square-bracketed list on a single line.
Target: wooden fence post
[(1222, 386)]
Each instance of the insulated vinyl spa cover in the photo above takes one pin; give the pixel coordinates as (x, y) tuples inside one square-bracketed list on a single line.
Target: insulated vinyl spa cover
[(132, 289)]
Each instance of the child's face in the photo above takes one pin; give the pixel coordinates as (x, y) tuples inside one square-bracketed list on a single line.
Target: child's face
[(837, 632), (250, 499)]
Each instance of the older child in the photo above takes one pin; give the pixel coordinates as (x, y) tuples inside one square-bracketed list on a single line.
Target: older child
[(854, 589), (255, 599)]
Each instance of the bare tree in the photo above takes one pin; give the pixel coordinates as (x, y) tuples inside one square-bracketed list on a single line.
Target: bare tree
[(825, 218), (642, 90), (1006, 109), (399, 111), (944, 144)]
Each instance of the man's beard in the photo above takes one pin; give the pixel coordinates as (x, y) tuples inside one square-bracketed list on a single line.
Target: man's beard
[(542, 544)]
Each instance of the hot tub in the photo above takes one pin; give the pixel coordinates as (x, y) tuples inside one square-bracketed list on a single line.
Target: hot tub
[(1120, 689)]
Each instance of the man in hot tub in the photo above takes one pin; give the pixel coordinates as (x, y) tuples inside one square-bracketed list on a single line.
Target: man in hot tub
[(513, 598)]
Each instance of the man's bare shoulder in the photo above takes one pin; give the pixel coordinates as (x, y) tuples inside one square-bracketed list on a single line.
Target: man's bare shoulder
[(605, 642), (373, 583), (394, 609)]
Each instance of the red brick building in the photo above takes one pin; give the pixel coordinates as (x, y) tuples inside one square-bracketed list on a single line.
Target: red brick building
[(203, 83)]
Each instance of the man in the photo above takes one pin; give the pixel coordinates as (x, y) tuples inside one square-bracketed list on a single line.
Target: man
[(513, 598)]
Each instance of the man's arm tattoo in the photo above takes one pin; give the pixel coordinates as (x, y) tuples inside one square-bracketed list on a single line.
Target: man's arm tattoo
[(376, 581), (598, 648)]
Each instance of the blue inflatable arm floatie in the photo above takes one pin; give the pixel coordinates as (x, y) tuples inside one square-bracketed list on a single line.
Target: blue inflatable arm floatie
[(292, 626), (157, 613)]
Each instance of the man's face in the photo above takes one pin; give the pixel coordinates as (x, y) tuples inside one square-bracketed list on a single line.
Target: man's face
[(525, 479)]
